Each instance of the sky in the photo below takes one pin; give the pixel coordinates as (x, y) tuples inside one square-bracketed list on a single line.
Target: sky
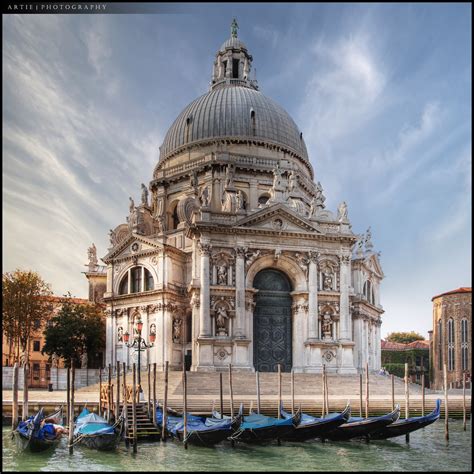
[(382, 93)]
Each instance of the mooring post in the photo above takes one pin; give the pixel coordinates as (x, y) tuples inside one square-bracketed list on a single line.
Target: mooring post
[(221, 395), (360, 394), (154, 395), (257, 378), (134, 407), (407, 400), (393, 391), (25, 391), (149, 391), (231, 393), (109, 393), (68, 395), (366, 389), (327, 393), (446, 411), (125, 404), (292, 392), (165, 404), (423, 393), (185, 409), (464, 401), (71, 414), (100, 391), (117, 402), (279, 391), (15, 397), (323, 379)]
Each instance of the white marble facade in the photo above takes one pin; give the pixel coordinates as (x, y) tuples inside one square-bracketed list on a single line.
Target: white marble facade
[(232, 195)]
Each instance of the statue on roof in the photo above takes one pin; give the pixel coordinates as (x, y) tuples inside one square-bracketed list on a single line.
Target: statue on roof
[(92, 254), (144, 195), (233, 28), (368, 240)]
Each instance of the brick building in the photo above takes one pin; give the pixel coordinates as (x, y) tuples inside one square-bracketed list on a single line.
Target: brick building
[(451, 339)]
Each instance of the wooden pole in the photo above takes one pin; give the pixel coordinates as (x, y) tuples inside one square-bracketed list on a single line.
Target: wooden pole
[(360, 394), (407, 400), (15, 397), (393, 391), (221, 394), (154, 394), (323, 410), (25, 391), (117, 402), (109, 392), (327, 393), (231, 393), (134, 407), (366, 389), (165, 404), (68, 395), (446, 411), (257, 377), (100, 391), (464, 401), (279, 391), (125, 403), (149, 391), (71, 414), (292, 392), (185, 409), (423, 394)]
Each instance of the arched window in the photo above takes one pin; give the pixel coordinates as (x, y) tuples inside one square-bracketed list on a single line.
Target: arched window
[(262, 200), (369, 292), (175, 218), (464, 345), (440, 344), (123, 289), (450, 344), (140, 279)]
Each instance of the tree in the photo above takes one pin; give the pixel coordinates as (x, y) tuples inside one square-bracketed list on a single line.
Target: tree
[(404, 337), (77, 329), (25, 306)]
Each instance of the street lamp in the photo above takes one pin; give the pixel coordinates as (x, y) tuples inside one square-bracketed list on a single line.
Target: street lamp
[(139, 344)]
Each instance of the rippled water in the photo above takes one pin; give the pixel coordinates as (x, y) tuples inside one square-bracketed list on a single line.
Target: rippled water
[(427, 451)]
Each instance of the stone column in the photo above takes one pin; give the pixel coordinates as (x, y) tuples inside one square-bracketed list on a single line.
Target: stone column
[(239, 292), (313, 332), (205, 313), (108, 338), (253, 197), (345, 316)]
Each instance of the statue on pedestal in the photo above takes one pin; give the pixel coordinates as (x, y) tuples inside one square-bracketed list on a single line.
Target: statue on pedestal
[(221, 318), (326, 326)]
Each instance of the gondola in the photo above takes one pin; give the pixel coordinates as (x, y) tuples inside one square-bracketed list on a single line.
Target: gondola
[(311, 427), (34, 435), (200, 431), (260, 428), (407, 425), (95, 432), (357, 427)]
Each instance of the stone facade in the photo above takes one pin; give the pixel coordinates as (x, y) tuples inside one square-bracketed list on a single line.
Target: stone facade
[(451, 337), (232, 197)]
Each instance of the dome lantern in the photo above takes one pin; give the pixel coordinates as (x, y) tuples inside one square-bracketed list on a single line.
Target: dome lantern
[(233, 63)]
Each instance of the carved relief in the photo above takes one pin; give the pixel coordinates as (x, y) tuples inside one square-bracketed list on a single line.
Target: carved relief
[(222, 353), (177, 330), (328, 356)]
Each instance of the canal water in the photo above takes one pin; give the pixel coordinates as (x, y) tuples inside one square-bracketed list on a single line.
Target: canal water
[(427, 451)]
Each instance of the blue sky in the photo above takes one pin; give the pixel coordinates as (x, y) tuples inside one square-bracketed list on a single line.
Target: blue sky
[(382, 93)]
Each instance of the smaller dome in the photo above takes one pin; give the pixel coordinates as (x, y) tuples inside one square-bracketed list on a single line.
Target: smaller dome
[(233, 43)]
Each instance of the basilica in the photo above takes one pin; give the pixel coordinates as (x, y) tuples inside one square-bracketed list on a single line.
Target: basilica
[(230, 254)]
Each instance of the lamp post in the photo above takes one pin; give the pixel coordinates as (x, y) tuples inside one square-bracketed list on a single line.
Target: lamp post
[(139, 344)]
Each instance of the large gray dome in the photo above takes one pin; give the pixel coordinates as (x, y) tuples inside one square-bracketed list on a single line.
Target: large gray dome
[(233, 112)]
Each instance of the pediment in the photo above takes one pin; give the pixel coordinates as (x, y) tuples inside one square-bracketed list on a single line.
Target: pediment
[(135, 244), (279, 218)]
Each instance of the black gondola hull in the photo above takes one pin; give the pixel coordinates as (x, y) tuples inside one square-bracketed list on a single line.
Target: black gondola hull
[(348, 431), (314, 430), (34, 445), (204, 438), (399, 429), (261, 435), (100, 442)]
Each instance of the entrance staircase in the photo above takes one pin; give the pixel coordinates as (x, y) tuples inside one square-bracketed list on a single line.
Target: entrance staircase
[(145, 427)]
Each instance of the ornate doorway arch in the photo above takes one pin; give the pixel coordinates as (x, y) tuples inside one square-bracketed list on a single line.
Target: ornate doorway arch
[(272, 325)]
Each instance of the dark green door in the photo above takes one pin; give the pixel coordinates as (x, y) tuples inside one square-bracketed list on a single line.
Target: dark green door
[(272, 322)]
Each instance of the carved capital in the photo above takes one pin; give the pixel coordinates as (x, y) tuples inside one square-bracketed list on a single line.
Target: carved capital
[(240, 252), (205, 249), (345, 259)]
